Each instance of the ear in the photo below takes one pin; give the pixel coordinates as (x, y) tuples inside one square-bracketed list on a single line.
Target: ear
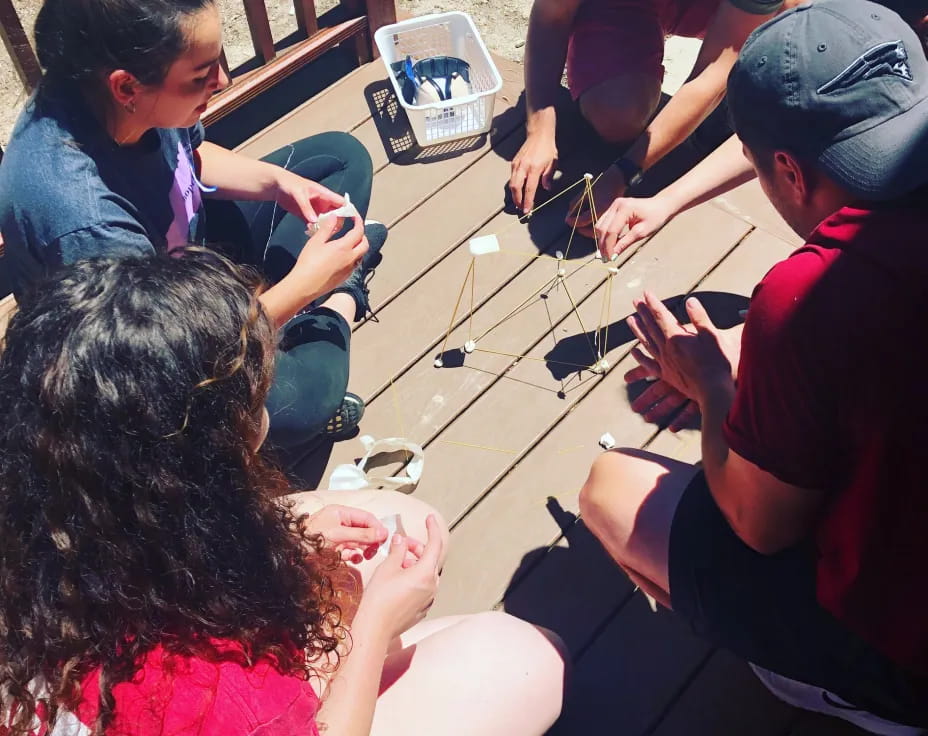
[(793, 175), (123, 87)]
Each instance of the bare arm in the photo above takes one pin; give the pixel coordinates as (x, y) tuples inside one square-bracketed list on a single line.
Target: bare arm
[(766, 513), (704, 89), (545, 53), (236, 176), (721, 171)]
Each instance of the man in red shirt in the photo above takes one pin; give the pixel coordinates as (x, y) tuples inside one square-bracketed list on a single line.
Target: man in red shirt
[(800, 543)]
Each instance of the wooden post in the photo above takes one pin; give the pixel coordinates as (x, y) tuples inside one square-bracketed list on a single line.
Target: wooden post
[(260, 27), (379, 13), (18, 46), (306, 19)]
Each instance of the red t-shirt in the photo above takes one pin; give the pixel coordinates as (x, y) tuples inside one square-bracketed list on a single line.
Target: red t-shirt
[(186, 696), (833, 394)]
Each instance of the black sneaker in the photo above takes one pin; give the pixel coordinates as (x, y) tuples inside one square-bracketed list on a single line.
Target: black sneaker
[(356, 284), (345, 421)]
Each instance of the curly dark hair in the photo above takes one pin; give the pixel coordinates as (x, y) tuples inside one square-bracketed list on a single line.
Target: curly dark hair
[(134, 511)]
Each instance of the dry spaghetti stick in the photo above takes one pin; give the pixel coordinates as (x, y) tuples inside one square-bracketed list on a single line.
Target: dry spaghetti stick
[(481, 447), (456, 305)]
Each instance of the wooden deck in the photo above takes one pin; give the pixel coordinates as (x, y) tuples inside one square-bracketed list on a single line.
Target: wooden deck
[(517, 542)]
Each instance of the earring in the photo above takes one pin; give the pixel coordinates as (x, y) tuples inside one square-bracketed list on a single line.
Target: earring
[(130, 107)]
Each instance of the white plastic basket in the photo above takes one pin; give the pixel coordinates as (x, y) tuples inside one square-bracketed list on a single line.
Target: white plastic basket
[(443, 34)]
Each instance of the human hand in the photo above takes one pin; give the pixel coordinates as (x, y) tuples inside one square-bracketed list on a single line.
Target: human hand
[(326, 263), (535, 163), (691, 360), (355, 533), (641, 216), (303, 197), (659, 401), (399, 595), (610, 185)]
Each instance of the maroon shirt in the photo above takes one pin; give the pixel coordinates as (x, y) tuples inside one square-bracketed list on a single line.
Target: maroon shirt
[(833, 394)]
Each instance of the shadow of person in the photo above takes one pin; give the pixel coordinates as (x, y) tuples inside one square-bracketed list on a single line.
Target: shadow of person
[(562, 587)]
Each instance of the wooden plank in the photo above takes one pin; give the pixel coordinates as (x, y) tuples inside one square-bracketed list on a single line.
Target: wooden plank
[(726, 698), (515, 414), (750, 203), (575, 588), (632, 671), (340, 107), (18, 47), (260, 28), (296, 57), (306, 20)]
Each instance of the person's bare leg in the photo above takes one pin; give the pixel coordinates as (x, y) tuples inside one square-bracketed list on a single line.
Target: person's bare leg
[(620, 108), (411, 510), (488, 674), (344, 304), (628, 502)]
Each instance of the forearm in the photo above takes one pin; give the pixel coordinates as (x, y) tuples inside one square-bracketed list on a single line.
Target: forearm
[(348, 705), (721, 171), (288, 296), (714, 405), (545, 56), (236, 176), (679, 118)]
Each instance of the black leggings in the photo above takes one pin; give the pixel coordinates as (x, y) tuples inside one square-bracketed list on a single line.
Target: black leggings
[(312, 362)]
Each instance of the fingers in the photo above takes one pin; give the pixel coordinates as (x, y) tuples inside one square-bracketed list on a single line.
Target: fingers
[(642, 328), (638, 373), (610, 225), (397, 552), (431, 554), (639, 231), (663, 317), (698, 315), (647, 362), (353, 237), (686, 419), (547, 178), (655, 394), (517, 183), (531, 187), (326, 199)]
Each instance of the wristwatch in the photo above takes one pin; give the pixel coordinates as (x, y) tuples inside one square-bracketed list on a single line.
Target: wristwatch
[(630, 170)]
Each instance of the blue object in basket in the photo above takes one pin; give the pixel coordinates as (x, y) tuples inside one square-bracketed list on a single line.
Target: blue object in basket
[(438, 72)]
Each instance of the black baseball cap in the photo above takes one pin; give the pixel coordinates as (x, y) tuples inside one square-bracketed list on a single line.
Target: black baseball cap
[(841, 82)]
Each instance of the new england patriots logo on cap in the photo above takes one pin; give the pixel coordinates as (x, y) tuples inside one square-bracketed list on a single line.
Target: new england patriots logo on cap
[(885, 59)]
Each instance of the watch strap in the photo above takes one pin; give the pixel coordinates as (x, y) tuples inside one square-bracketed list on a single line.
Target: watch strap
[(630, 170)]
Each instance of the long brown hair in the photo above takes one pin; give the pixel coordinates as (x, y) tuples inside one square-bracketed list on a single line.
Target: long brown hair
[(134, 511)]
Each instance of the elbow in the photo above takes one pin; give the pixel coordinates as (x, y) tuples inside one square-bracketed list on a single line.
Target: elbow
[(552, 13)]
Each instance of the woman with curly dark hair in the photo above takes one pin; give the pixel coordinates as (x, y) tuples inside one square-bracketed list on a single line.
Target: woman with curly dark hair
[(151, 581)]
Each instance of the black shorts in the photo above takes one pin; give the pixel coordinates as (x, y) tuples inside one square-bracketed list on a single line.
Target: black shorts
[(764, 609)]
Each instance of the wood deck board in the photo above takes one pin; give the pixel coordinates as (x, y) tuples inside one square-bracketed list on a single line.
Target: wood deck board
[(517, 543)]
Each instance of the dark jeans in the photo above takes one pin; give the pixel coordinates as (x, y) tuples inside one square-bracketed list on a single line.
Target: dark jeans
[(312, 362)]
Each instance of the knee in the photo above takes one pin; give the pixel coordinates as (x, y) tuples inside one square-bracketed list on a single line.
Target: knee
[(615, 119), (522, 655), (604, 508), (345, 147), (413, 513)]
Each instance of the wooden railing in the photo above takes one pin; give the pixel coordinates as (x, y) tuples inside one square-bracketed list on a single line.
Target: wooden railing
[(360, 19)]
